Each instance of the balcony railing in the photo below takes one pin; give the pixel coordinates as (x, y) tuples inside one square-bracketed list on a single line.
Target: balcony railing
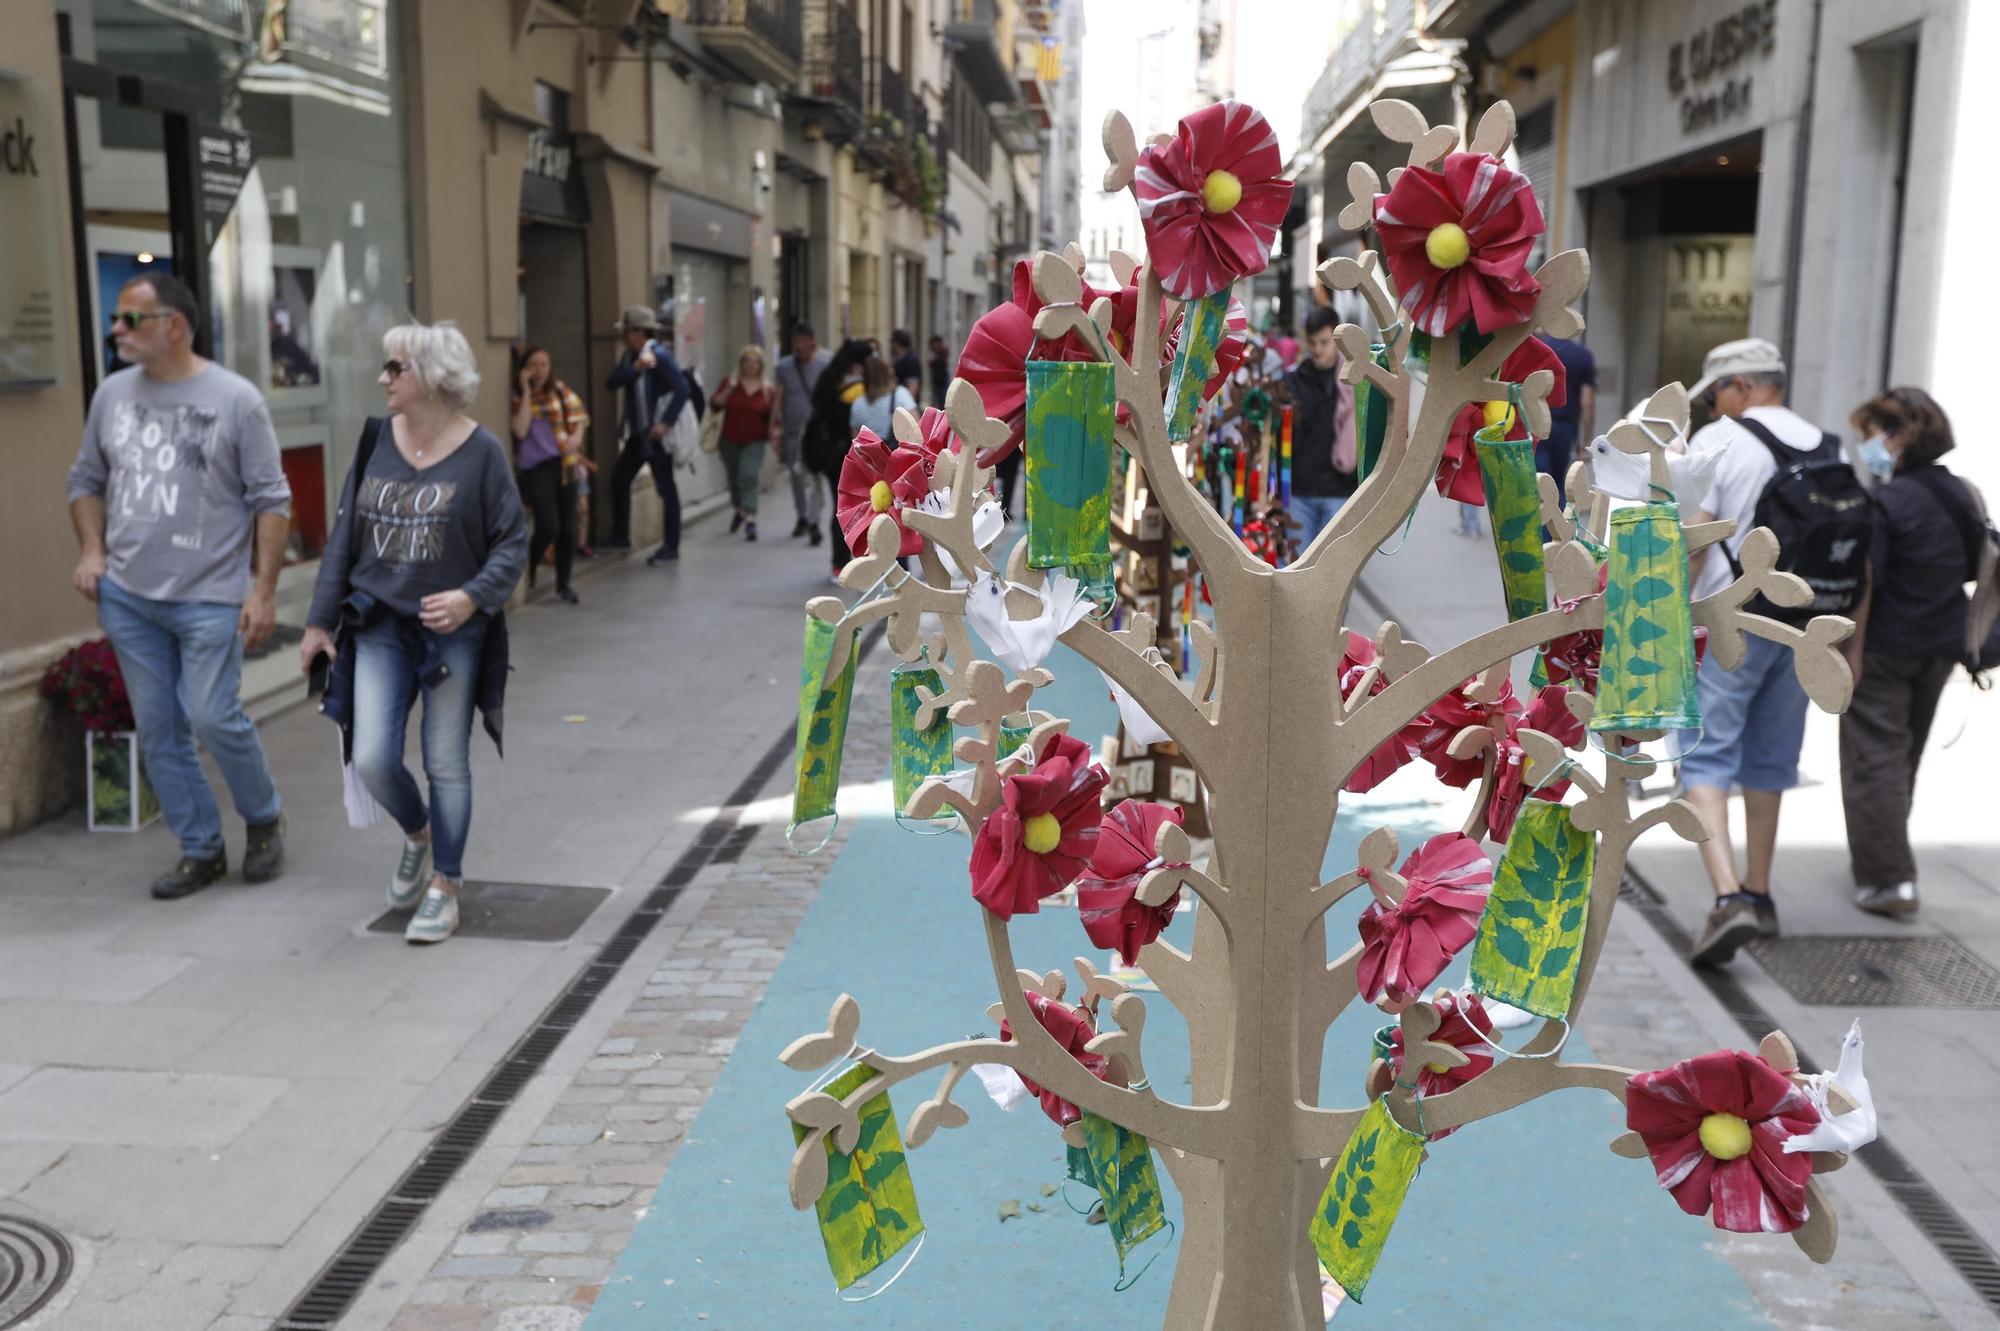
[(833, 67), (763, 38), (1367, 49), (890, 96)]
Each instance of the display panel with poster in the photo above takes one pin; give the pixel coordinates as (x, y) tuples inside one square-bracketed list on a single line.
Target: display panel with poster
[(1705, 299)]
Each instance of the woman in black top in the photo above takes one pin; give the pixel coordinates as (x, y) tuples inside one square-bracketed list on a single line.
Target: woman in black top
[(1909, 633), (428, 545), (828, 437)]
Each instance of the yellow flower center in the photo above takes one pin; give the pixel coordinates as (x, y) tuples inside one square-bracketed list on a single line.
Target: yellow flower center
[(1435, 1069), (1447, 245), (879, 497), (1498, 413), (1221, 192), (1725, 1136), (1043, 833)]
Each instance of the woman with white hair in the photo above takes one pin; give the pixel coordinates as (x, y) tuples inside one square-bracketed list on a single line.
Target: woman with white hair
[(428, 545)]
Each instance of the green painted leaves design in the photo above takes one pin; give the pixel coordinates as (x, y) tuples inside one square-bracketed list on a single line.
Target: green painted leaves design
[(915, 755), (1363, 1197), (1119, 1165), (1648, 671), (868, 1212), (1507, 470), (1531, 932), (1194, 361), (1071, 413), (822, 725)]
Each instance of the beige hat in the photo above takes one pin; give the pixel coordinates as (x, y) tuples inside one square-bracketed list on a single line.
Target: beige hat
[(640, 317), (1748, 355)]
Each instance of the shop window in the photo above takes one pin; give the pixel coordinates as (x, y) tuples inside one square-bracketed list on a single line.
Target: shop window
[(1535, 147)]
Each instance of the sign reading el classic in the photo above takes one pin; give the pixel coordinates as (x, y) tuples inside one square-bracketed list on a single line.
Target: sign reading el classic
[(30, 342), (1702, 68)]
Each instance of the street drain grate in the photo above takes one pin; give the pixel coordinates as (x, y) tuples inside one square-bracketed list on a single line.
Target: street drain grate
[(1849, 971), (34, 1263), (513, 912)]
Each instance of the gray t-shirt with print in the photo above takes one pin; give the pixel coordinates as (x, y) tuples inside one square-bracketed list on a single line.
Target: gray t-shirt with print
[(184, 469)]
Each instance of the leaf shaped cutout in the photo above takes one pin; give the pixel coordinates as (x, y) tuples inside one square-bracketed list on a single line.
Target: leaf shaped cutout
[(1630, 1145), (932, 1115), (1433, 145), (1399, 122), (808, 1174), (1123, 150), (1124, 267), (1496, 130)]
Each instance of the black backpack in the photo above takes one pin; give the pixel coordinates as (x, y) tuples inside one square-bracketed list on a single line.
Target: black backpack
[(1824, 521)]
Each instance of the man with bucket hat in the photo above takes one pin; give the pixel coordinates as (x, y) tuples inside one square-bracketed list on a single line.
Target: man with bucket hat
[(651, 394)]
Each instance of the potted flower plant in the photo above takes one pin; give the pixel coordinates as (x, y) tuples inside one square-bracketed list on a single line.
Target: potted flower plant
[(86, 684)]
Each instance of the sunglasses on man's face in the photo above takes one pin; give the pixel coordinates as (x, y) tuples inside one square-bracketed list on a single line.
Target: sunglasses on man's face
[(133, 318)]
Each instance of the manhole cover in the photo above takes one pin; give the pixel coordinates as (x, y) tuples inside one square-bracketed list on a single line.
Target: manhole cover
[(1845, 971), (34, 1263), (514, 912)]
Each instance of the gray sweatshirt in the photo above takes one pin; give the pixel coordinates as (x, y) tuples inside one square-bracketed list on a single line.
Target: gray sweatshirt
[(456, 524), (184, 470)]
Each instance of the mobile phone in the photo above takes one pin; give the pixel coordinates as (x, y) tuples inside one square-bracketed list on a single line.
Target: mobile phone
[(317, 673)]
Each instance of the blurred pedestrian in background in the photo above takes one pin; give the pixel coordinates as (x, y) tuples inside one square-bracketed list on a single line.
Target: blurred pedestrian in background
[(750, 408), (549, 424), (1323, 440), (940, 371), (797, 375), (903, 360), (1576, 418), (828, 435), (652, 393)]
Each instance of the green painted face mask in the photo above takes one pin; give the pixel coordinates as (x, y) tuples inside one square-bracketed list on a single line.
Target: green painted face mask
[(1647, 673), (1012, 737), (1507, 470), (868, 1212), (1194, 361), (1118, 1165), (1530, 940), (1371, 417), (822, 732), (917, 754), (1362, 1198), (1071, 414)]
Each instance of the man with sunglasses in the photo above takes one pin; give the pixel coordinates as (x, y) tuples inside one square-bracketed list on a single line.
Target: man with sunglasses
[(182, 509)]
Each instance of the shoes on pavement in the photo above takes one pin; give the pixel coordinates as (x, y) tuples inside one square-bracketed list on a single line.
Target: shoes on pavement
[(736, 522), (750, 530), (662, 556), (408, 883), (1767, 913), (566, 596), (1891, 901), (800, 528), (191, 875), (813, 537), (585, 552), (614, 543), (1731, 924), (436, 918), (264, 850)]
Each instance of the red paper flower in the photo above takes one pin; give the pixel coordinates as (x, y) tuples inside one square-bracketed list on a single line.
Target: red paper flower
[(1456, 240), (1042, 835), (1550, 714), (877, 478), (1432, 733), (1378, 766), (1406, 946), (1463, 1020), (1458, 470), (1072, 1030), (1715, 1127), (1107, 897), (1211, 199), (937, 439)]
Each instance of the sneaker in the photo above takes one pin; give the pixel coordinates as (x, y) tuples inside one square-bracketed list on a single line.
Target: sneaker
[(750, 530), (1731, 924), (1767, 914), (614, 543), (567, 597), (662, 556), (436, 919), (800, 528), (736, 522), (1892, 901), (408, 884), (191, 875), (814, 537), (264, 851)]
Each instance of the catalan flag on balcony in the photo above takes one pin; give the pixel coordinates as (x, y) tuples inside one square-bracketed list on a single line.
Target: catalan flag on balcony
[(1048, 65)]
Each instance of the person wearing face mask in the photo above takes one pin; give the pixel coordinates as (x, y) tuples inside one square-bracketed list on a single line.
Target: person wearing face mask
[(1909, 633)]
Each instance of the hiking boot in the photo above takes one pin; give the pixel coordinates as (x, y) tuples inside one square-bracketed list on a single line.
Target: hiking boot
[(191, 875), (1894, 901), (1731, 924), (408, 883), (436, 919), (264, 851)]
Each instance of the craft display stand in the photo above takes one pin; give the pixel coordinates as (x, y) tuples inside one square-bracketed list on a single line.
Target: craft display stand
[(1251, 1149)]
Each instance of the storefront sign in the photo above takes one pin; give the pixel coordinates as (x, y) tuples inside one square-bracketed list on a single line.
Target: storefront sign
[(30, 143), (224, 157), (550, 186), (1702, 68), (1709, 282)]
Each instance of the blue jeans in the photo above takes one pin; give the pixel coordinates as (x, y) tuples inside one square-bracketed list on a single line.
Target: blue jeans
[(183, 669), (1753, 722), (386, 686), (1314, 512)]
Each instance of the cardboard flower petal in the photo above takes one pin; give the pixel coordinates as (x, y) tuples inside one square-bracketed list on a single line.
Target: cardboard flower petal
[(1023, 644), (1465, 1025), (1107, 896), (1072, 1029), (1395, 752), (1042, 835), (878, 478), (1433, 733), (1550, 714), (1211, 199), (1456, 239), (1715, 1127), (1406, 946), (1458, 469)]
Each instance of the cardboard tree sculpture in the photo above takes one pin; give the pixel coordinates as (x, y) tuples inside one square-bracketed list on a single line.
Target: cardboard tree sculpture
[(1286, 709)]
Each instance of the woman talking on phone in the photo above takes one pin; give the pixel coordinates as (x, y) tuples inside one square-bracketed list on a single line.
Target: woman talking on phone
[(420, 561)]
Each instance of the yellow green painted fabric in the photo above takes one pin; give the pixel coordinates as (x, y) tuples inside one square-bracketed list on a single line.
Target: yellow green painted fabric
[(1362, 1198), (822, 724), (868, 1212), (916, 753), (1507, 471), (1646, 679), (1072, 411), (1013, 737), (1194, 362), (1530, 940), (1119, 1166)]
